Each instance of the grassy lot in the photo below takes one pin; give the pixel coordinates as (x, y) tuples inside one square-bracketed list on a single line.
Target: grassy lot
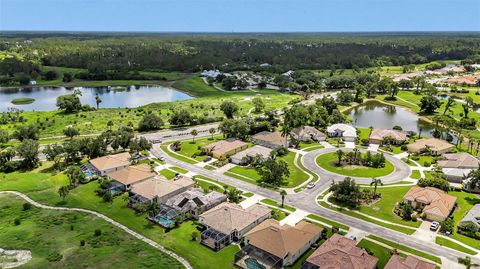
[(190, 149), (329, 222), (275, 204), (359, 216), (42, 186), (363, 133), (422, 160), (465, 202), (450, 244), (179, 170), (329, 161), (245, 171), (415, 174), (406, 249), (383, 208), (381, 252), (180, 157), (54, 239), (169, 174)]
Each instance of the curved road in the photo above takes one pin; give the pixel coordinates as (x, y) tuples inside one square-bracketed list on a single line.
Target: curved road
[(121, 226), (402, 170), (306, 200)]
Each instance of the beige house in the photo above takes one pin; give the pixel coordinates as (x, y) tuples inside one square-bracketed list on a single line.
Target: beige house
[(378, 136), (340, 252), (434, 145), (257, 150), (271, 140), (274, 245), (409, 262), (130, 175), (308, 133), (226, 148), (158, 189), (110, 163), (435, 203), (459, 160), (229, 222)]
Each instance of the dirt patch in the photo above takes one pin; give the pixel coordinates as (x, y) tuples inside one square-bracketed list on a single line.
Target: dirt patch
[(14, 258)]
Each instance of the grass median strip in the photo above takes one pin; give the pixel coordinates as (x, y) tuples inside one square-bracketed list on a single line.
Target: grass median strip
[(329, 222), (273, 203), (365, 218), (450, 244), (406, 249), (179, 170), (177, 156)]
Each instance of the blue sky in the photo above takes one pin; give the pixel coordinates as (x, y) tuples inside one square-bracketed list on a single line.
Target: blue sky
[(240, 15)]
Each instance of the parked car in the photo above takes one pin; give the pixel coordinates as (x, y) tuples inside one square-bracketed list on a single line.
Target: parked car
[(207, 159), (434, 226), (162, 159), (311, 185)]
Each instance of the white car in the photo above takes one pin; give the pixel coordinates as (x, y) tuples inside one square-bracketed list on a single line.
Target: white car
[(434, 226), (311, 185)]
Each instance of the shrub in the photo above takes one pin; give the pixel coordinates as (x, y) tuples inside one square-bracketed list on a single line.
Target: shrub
[(82, 243), (54, 257), (447, 225), (426, 163), (27, 206), (97, 232), (17, 222), (435, 182), (403, 147), (194, 236)]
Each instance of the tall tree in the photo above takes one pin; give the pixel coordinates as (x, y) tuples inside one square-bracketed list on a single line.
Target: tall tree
[(63, 191), (375, 182), (229, 108), (28, 151), (193, 133), (98, 100), (283, 193)]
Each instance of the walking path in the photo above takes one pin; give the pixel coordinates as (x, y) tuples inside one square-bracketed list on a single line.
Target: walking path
[(121, 226), (326, 145), (294, 217), (251, 201)]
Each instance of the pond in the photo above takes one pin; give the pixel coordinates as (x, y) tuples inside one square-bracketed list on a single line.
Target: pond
[(380, 115), (112, 97)]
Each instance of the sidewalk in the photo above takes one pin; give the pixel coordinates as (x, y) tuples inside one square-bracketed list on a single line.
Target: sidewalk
[(294, 217)]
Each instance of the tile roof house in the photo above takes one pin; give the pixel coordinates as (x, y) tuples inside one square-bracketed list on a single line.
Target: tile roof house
[(409, 262), (229, 222), (378, 135), (158, 189), (340, 252), (257, 150), (225, 148), (195, 201), (271, 140), (473, 215), (308, 133), (348, 132), (458, 160), (131, 175), (272, 244), (463, 80), (111, 163), (436, 146), (435, 203)]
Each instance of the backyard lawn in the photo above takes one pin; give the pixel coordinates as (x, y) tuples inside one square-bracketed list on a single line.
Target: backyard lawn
[(382, 253), (189, 149), (465, 202), (328, 161)]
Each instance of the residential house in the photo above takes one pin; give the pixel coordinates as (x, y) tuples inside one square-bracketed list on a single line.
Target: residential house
[(229, 222), (409, 262), (473, 216), (225, 148), (348, 132), (271, 140), (435, 203), (275, 246), (456, 166), (378, 136), (340, 252), (463, 80), (158, 189), (308, 133), (468, 187), (127, 177), (433, 145), (195, 201), (110, 163), (257, 150)]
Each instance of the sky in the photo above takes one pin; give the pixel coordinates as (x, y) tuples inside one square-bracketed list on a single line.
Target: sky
[(240, 15)]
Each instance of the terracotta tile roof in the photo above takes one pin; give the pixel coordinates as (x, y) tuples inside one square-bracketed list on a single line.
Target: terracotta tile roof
[(227, 217), (410, 262), (159, 186), (459, 160), (111, 161), (437, 201), (132, 174), (470, 80), (224, 146), (434, 144), (280, 240), (380, 134), (275, 138), (339, 252)]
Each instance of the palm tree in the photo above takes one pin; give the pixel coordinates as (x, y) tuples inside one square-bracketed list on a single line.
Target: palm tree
[(283, 193), (98, 100), (63, 192), (212, 131), (194, 133), (110, 124), (375, 182), (285, 132), (340, 155)]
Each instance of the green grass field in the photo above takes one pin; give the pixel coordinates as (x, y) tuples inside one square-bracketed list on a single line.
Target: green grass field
[(381, 252), (54, 239), (465, 202), (328, 161), (450, 244), (329, 222)]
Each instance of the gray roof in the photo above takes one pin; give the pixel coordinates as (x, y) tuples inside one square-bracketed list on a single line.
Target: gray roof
[(191, 199), (264, 152), (473, 215)]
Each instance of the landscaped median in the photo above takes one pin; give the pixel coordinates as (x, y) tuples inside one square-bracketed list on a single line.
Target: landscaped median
[(442, 241)]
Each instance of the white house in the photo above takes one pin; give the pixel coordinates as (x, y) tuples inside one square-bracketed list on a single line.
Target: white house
[(348, 132)]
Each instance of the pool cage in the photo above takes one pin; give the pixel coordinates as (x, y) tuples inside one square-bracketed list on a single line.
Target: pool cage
[(164, 216), (251, 257), (214, 239)]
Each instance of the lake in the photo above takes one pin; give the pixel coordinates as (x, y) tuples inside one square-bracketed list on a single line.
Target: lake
[(112, 97), (384, 116)]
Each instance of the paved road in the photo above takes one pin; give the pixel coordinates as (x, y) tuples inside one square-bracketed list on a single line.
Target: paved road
[(180, 133), (121, 226), (306, 200), (402, 170)]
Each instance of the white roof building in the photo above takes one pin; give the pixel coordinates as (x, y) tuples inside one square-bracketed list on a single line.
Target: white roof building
[(348, 132)]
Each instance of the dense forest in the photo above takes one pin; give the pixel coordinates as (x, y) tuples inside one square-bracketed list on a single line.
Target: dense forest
[(116, 56)]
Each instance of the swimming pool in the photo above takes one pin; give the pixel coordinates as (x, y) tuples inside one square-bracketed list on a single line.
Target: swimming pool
[(164, 222), (253, 264)]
